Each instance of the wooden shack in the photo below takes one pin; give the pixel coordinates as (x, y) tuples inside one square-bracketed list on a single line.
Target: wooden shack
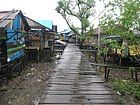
[(13, 28), (49, 39), (39, 39), (127, 53)]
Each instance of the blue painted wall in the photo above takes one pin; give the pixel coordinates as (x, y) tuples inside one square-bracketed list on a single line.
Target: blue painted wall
[(16, 23), (13, 39), (15, 55)]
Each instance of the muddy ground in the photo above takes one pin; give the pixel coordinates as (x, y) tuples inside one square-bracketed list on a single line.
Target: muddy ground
[(115, 73), (26, 88), (30, 85)]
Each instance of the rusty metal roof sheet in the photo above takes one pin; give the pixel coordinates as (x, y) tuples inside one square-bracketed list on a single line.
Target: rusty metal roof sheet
[(34, 24), (2, 14), (4, 23), (7, 16)]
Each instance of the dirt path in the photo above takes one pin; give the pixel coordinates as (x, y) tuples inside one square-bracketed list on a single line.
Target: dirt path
[(24, 89)]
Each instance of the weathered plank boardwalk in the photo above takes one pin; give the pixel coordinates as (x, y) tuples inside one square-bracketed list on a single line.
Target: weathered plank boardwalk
[(75, 82)]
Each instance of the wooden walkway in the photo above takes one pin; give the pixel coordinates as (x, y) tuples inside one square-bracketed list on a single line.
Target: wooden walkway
[(75, 82)]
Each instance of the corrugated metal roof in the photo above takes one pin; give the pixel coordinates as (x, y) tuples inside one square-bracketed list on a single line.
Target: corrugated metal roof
[(13, 15), (47, 23), (34, 24), (6, 16), (2, 15), (4, 23)]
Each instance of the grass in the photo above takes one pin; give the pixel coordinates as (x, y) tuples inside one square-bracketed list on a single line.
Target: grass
[(127, 88)]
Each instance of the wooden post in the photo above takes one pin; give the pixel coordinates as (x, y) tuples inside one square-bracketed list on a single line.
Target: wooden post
[(136, 76), (105, 72), (95, 56), (104, 58), (132, 76), (25, 62)]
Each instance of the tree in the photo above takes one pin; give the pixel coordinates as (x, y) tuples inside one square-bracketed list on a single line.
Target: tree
[(123, 19), (81, 10)]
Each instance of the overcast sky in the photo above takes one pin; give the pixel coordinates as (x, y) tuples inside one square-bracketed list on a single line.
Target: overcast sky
[(39, 10)]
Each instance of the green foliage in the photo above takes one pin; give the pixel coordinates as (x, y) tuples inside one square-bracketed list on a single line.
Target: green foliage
[(122, 18), (126, 87), (110, 43), (79, 9), (102, 51), (106, 45)]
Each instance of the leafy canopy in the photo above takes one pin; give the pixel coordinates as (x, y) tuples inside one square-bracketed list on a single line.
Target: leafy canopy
[(81, 10), (122, 18)]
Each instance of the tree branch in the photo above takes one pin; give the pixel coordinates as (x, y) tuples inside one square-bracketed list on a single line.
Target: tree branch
[(137, 29), (70, 26), (71, 13)]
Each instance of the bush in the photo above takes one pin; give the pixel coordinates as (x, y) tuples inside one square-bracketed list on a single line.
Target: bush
[(125, 87)]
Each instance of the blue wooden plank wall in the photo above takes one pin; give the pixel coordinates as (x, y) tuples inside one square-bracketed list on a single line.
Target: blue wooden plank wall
[(13, 39)]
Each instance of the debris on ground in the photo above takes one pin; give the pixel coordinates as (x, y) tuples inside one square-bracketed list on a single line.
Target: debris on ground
[(24, 89)]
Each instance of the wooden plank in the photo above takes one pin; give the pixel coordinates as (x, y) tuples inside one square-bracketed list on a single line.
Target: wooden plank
[(75, 73), (75, 82), (76, 104), (77, 89), (85, 80), (92, 83), (115, 66), (88, 50), (72, 76), (78, 92), (86, 84), (79, 99), (84, 87)]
